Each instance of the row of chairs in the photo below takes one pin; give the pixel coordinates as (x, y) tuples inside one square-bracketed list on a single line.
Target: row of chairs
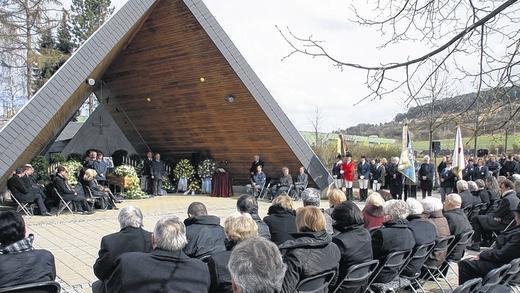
[(262, 192), (502, 279), (28, 207)]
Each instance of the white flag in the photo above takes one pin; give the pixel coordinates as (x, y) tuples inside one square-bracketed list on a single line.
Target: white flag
[(458, 155)]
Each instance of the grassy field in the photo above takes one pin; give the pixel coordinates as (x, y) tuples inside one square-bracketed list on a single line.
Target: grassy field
[(484, 142)]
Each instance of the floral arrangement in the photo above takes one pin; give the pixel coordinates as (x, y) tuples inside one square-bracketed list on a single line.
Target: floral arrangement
[(73, 167), (167, 184), (184, 169), (194, 185), (134, 190), (207, 168)]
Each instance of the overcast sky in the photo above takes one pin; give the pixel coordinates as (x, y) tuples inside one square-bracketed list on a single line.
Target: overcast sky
[(301, 83)]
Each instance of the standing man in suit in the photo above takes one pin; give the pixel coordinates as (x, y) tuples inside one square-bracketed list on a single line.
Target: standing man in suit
[(157, 172), (24, 194), (256, 162), (426, 172), (147, 173), (166, 269), (131, 238)]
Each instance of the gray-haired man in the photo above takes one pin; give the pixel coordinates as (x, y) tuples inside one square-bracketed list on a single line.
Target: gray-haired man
[(256, 266), (132, 237), (166, 269)]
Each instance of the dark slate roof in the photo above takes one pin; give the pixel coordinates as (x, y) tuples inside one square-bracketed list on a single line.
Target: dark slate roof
[(70, 130)]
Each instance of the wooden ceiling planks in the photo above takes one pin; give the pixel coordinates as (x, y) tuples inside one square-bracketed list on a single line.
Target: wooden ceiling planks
[(164, 62)]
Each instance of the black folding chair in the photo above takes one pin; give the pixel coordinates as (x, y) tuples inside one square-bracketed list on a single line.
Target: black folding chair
[(493, 278), (418, 256), (393, 261), (512, 277), (467, 211), (91, 199), (265, 190), (356, 277), (316, 284), (26, 207), (464, 240), (475, 211), (469, 286), (63, 203), (41, 287), (496, 233), (441, 245)]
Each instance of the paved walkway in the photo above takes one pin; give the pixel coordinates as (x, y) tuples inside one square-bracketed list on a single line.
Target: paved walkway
[(74, 239)]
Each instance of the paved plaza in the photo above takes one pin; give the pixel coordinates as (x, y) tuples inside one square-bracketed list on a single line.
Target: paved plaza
[(74, 239)]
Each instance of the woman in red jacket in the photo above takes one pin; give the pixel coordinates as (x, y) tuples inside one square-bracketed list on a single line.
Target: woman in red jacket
[(348, 168)]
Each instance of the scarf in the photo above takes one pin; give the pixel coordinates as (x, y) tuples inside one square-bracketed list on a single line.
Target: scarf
[(19, 246)]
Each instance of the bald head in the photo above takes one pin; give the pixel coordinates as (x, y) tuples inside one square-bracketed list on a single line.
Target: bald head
[(453, 201)]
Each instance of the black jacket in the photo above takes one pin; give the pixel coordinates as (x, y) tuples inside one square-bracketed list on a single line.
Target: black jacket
[(220, 276), (158, 271), (355, 247), (205, 236), (281, 224), (19, 189), (263, 229), (26, 267), (447, 178), (459, 224), (468, 200), (507, 247), (506, 206), (147, 166), (424, 232), (129, 239), (393, 236), (481, 172), (60, 184), (468, 173), (254, 165), (157, 169), (426, 170), (309, 254)]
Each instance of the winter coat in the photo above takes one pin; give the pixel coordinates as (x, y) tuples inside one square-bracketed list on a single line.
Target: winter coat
[(458, 224), (263, 229), (468, 200), (393, 236), (426, 172), (447, 178), (481, 172), (281, 224), (424, 233), (27, 267), (157, 169), (220, 276), (309, 254), (348, 169), (443, 230), (336, 170), (507, 247), (355, 246), (205, 236)]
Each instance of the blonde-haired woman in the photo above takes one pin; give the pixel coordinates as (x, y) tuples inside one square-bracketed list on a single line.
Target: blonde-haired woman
[(238, 227), (311, 252), (281, 219), (336, 196), (107, 201)]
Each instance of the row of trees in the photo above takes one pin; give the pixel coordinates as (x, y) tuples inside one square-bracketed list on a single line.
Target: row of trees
[(36, 38)]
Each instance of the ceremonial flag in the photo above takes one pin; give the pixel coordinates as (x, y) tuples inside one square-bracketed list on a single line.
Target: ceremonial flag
[(407, 161), (458, 155)]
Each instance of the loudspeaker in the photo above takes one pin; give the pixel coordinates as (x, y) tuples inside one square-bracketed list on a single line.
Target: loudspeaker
[(482, 153), (436, 147)]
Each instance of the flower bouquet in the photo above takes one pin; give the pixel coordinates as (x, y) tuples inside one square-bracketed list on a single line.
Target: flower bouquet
[(182, 172), (73, 167), (205, 171), (130, 181)]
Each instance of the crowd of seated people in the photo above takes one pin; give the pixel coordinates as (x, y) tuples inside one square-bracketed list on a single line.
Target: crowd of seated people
[(25, 190), (199, 255)]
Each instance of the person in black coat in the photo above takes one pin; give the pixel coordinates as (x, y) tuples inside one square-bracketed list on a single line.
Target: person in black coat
[(497, 219), (24, 193), (509, 168), (281, 219), (426, 173), (157, 170), (204, 233), (465, 194), (447, 181), (131, 238), (424, 233), (363, 172), (238, 227), (392, 237), (458, 223), (395, 179), (256, 162), (166, 269), (352, 239), (247, 203), (468, 173), (20, 263), (106, 200), (311, 252), (507, 248), (481, 171), (62, 186), (147, 172)]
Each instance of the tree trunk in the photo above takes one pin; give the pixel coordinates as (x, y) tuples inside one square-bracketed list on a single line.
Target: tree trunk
[(28, 40)]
